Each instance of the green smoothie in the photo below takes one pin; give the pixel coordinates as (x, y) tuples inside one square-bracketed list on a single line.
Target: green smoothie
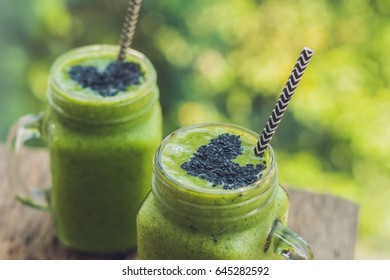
[(182, 146), (101, 149), (197, 219), (73, 86)]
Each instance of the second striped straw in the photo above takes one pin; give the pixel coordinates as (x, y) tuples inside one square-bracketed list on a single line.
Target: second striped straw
[(283, 101), (128, 29)]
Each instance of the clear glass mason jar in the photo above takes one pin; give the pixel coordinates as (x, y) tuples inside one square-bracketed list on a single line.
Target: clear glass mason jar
[(183, 221), (101, 149)]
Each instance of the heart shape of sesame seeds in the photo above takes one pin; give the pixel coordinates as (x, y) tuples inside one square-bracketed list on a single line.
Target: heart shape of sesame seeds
[(213, 162), (116, 77)]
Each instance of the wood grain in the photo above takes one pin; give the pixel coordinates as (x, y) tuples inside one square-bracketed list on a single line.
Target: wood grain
[(326, 222)]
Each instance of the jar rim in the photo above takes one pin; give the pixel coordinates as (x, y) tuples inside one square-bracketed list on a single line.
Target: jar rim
[(94, 51), (96, 108), (271, 166)]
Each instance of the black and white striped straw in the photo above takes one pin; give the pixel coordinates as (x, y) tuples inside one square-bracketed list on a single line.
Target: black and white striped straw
[(284, 99), (129, 27)]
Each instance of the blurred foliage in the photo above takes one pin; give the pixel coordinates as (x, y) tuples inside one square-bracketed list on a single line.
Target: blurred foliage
[(228, 61)]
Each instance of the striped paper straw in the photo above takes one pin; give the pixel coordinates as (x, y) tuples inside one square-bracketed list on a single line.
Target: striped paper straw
[(284, 99), (129, 27)]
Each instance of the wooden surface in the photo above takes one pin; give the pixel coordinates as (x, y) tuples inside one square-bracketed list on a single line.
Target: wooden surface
[(326, 222)]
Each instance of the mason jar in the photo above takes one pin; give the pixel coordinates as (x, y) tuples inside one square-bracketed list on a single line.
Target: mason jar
[(184, 219), (101, 151)]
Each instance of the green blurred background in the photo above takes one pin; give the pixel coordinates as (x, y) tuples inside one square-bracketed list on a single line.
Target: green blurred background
[(228, 60)]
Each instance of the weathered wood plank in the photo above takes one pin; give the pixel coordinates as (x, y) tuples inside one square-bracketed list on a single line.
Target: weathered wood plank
[(327, 223)]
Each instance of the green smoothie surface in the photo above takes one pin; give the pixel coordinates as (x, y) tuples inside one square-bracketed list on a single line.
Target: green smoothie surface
[(183, 145), (99, 64)]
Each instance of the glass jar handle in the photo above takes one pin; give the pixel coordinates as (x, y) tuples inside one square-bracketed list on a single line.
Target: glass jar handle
[(26, 128), (288, 244)]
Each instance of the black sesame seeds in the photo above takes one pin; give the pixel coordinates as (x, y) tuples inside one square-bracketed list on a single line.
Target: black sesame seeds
[(115, 78), (213, 162)]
